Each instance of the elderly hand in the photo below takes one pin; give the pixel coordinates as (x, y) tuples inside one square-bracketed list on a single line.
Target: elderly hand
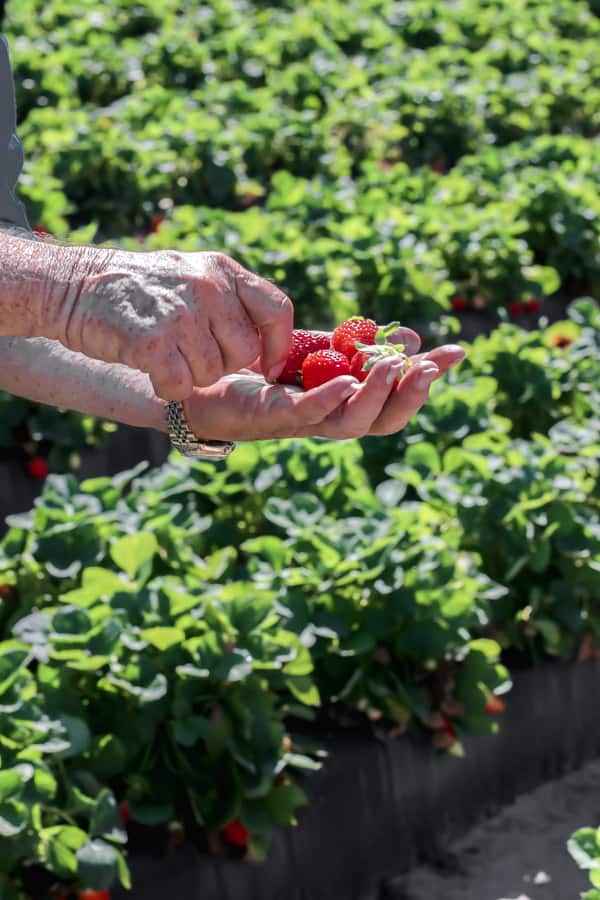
[(186, 319), (243, 407)]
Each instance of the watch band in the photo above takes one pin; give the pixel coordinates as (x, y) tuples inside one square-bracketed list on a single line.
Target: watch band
[(183, 438)]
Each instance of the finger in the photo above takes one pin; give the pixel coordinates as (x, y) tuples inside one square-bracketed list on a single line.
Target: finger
[(171, 376), (407, 398), (408, 337), (203, 353), (311, 407), (444, 357), (356, 416), (272, 312)]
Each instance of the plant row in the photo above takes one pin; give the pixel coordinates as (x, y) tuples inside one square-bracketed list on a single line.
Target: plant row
[(173, 640)]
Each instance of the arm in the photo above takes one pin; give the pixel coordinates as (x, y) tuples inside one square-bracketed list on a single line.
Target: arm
[(45, 372), (240, 407)]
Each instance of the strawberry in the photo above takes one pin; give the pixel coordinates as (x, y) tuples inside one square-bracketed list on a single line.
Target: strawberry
[(448, 727), (346, 335), (125, 813), (303, 343), (38, 468), (356, 331), (459, 303), (533, 305), (93, 895), (516, 308), (235, 833), (366, 357), (322, 366), (495, 705)]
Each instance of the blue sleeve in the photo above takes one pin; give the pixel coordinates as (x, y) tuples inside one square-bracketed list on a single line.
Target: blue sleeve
[(11, 151)]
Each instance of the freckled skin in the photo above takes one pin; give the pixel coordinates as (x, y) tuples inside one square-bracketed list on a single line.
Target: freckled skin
[(185, 319)]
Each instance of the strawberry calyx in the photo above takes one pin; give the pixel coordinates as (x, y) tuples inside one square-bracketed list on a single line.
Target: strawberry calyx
[(368, 354)]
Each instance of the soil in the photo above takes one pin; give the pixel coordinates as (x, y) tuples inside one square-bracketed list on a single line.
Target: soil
[(520, 854)]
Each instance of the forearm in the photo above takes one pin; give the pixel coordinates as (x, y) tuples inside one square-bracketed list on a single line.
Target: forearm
[(37, 281), (45, 372)]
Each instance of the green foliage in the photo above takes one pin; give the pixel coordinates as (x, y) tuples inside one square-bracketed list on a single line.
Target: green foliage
[(379, 159), (584, 847), (220, 606)]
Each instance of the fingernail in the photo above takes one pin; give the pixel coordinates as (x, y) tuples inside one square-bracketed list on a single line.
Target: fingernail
[(454, 348), (396, 370), (350, 390), (274, 373), (426, 376)]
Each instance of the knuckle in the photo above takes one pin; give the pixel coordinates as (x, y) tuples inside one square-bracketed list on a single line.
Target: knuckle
[(221, 260)]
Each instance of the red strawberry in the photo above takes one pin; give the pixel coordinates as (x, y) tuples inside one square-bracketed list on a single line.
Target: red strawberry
[(448, 727), (93, 895), (516, 308), (235, 833), (125, 812), (439, 167), (459, 303), (38, 468), (533, 305), (346, 335), (322, 366), (495, 705), (303, 343), (358, 365)]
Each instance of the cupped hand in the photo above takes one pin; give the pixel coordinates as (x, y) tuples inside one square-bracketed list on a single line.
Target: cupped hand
[(185, 319), (244, 407)]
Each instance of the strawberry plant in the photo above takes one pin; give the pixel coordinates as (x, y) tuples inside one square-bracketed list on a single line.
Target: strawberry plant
[(584, 847)]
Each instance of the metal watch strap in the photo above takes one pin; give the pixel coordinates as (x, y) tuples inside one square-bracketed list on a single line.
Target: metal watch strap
[(189, 444)]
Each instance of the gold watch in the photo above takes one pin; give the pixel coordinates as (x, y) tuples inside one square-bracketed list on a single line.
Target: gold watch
[(189, 444)]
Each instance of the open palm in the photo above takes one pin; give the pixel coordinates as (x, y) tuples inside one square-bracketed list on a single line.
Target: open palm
[(244, 407)]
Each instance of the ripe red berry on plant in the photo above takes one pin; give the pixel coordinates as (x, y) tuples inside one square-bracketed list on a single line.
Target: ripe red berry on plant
[(235, 833), (93, 895), (125, 813), (38, 468), (516, 308)]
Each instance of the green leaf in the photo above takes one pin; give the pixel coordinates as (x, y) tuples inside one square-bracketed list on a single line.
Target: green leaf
[(305, 690), (584, 847), (98, 865), (61, 843), (106, 821), (162, 637), (13, 818), (10, 784), (133, 552)]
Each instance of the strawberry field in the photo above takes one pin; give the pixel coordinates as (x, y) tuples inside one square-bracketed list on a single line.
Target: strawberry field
[(174, 641)]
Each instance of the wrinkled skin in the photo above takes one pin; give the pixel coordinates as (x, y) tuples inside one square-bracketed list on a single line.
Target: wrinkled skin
[(185, 319)]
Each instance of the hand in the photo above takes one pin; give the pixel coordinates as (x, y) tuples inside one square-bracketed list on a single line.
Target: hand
[(243, 407), (186, 319)]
